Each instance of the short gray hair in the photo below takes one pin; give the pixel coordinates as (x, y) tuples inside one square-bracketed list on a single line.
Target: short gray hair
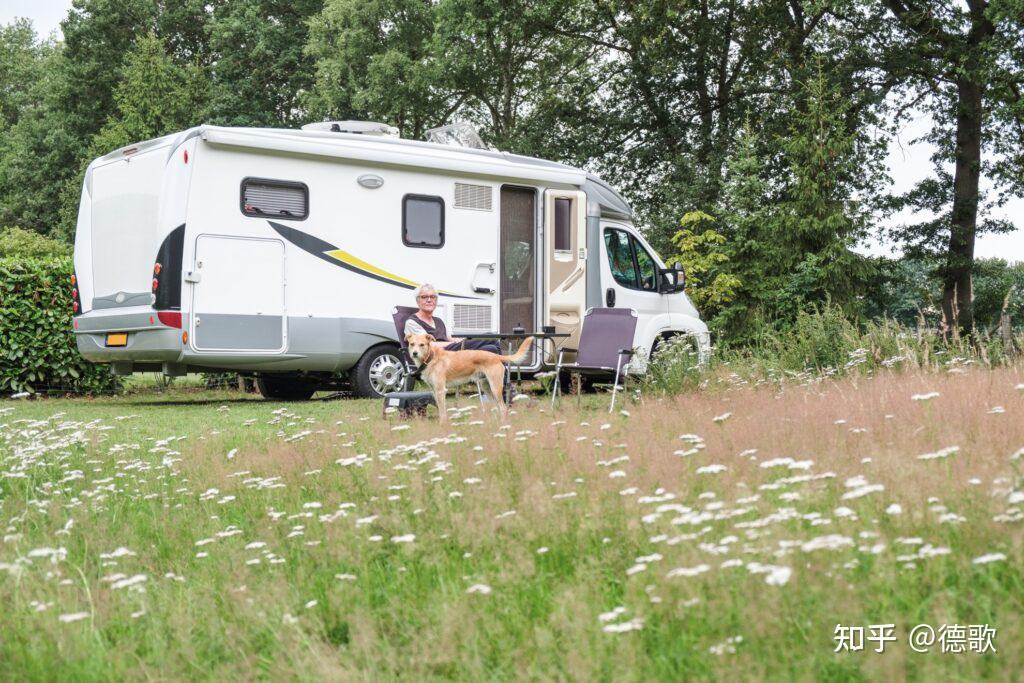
[(425, 287)]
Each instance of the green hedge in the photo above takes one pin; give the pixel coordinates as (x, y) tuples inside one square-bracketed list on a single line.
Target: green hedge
[(37, 347)]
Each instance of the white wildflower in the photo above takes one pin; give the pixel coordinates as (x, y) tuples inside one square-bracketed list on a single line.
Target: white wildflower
[(74, 616), (991, 557), (778, 576), (688, 571), (941, 453), (631, 625)]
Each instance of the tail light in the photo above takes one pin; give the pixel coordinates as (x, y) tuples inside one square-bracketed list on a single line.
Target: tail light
[(166, 285), (76, 299), (170, 318)]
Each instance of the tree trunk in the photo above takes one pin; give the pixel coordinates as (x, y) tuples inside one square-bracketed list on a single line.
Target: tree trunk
[(958, 291)]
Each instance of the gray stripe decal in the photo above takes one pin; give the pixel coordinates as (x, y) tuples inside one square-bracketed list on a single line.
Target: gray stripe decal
[(243, 332)]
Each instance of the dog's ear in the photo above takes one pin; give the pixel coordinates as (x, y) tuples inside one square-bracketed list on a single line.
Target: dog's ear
[(408, 337), (430, 338)]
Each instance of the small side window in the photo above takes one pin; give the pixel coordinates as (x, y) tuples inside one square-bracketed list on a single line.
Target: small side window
[(646, 267), (282, 199), (423, 221), (563, 224), (620, 258)]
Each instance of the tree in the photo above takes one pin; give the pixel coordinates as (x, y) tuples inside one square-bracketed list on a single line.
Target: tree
[(791, 214), (419, 65), (21, 63), (701, 252), (37, 147), (372, 59), (822, 212), (963, 64), (262, 69), (155, 97)]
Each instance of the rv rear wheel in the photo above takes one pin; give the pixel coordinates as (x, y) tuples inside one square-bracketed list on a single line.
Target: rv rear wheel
[(380, 371), (285, 388)]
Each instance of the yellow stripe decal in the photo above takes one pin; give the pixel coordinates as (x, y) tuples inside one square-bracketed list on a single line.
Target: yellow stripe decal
[(360, 264), (356, 262)]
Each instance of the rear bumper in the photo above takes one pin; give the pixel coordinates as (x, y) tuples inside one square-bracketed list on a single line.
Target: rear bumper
[(149, 340)]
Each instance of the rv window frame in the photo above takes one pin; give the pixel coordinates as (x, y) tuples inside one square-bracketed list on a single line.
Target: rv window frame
[(634, 245), (405, 216), (632, 257), (570, 233), (291, 184)]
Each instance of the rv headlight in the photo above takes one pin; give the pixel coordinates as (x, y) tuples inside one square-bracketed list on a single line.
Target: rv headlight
[(370, 181)]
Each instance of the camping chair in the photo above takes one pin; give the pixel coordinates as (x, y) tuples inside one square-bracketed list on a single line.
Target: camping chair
[(400, 314), (606, 345)]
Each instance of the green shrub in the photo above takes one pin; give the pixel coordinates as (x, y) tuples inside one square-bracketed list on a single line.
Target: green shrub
[(37, 346), (16, 242), (674, 366), (823, 342)]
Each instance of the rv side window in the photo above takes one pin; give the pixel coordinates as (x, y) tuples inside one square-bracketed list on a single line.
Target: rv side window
[(646, 267), (620, 258), (563, 223), (423, 221), (280, 199)]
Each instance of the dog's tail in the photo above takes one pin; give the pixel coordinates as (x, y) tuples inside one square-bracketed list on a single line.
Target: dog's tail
[(520, 354)]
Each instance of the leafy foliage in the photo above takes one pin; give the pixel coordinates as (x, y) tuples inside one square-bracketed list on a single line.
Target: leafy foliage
[(38, 353), (16, 242), (699, 250)]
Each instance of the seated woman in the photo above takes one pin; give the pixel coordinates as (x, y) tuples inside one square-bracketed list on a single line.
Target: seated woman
[(424, 322)]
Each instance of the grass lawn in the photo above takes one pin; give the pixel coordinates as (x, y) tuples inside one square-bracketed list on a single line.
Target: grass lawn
[(717, 535)]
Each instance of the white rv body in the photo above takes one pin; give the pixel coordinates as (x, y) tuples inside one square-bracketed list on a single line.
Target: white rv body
[(310, 288)]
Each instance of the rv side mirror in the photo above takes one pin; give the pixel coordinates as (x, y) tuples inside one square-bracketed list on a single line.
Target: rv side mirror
[(672, 280)]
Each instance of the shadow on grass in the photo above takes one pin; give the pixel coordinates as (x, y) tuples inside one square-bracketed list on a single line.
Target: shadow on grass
[(204, 401)]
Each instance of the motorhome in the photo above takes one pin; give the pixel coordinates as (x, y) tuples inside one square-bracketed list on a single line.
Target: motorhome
[(282, 253)]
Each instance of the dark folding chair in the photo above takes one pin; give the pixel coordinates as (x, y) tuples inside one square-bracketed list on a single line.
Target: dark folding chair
[(407, 402), (606, 345), (400, 314)]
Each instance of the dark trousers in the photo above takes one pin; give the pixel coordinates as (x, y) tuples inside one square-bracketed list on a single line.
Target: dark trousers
[(475, 345)]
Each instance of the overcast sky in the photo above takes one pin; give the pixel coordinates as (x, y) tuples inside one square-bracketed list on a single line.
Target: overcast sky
[(907, 163)]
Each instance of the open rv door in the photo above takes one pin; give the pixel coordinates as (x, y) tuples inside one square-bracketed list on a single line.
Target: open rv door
[(565, 261)]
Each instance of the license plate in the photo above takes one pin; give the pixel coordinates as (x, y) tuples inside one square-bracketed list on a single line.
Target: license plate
[(119, 339)]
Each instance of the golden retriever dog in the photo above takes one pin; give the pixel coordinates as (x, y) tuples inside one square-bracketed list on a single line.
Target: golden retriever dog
[(442, 369)]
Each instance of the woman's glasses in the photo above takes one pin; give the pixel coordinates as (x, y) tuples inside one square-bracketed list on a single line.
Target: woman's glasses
[(428, 297)]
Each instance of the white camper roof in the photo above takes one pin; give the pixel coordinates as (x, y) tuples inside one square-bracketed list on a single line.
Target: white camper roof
[(398, 152)]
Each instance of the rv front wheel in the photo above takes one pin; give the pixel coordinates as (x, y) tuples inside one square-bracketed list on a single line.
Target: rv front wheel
[(285, 388), (380, 371)]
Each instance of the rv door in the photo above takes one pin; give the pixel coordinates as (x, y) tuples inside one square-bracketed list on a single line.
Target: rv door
[(565, 261), (238, 295)]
